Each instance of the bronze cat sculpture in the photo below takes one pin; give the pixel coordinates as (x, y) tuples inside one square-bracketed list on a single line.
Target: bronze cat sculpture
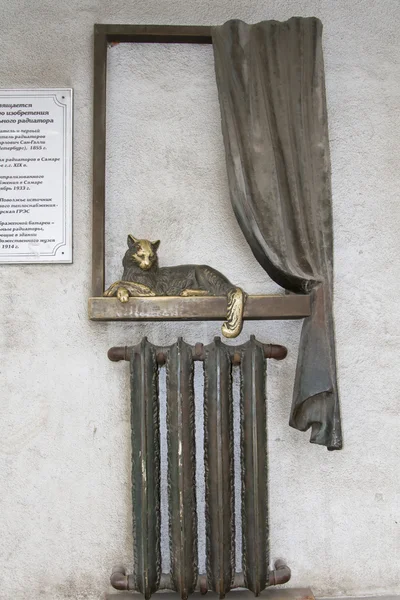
[(143, 277)]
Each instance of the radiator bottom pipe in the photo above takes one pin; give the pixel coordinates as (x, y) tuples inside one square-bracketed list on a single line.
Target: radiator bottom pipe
[(120, 580), (281, 573)]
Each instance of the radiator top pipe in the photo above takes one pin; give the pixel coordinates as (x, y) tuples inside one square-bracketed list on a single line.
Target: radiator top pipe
[(275, 351)]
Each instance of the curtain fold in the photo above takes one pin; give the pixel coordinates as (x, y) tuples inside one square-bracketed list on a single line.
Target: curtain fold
[(271, 87)]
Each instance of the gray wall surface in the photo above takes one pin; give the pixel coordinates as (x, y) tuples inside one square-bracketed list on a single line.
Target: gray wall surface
[(64, 410)]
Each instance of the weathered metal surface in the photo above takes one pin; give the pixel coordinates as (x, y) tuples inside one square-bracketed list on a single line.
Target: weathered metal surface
[(279, 176), (275, 351), (181, 468), (99, 161), (219, 359), (176, 308), (159, 34), (142, 277), (145, 468), (218, 459), (254, 467)]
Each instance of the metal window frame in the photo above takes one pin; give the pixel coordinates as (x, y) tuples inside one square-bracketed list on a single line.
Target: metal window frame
[(168, 308)]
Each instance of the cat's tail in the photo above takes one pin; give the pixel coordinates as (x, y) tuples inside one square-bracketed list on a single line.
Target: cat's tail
[(234, 313)]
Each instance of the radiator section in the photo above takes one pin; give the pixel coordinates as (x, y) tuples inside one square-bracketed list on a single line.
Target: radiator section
[(145, 468), (218, 447), (254, 467), (181, 468)]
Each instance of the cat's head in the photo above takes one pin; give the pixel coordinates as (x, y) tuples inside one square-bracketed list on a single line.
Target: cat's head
[(142, 253)]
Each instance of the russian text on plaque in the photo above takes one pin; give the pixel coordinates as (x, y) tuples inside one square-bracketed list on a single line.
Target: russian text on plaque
[(36, 176)]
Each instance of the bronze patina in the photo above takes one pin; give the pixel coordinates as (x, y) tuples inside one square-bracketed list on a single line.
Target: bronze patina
[(186, 573), (143, 277)]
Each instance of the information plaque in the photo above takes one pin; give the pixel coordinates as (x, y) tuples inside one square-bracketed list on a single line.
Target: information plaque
[(36, 176)]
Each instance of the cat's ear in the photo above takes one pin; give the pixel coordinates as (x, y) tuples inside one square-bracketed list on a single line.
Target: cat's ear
[(155, 245), (131, 240)]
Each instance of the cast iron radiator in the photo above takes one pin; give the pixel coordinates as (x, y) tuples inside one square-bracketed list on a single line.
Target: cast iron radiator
[(218, 360)]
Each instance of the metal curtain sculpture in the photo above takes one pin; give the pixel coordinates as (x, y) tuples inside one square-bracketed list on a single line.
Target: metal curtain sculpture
[(271, 87)]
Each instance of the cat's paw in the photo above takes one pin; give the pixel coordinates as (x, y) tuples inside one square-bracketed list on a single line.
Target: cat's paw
[(111, 291), (188, 292), (122, 294)]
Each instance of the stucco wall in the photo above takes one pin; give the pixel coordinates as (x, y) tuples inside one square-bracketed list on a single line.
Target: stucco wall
[(64, 413)]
